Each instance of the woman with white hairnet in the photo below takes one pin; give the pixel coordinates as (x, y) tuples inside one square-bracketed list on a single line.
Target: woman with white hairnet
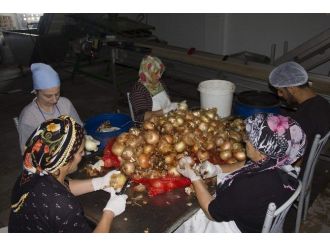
[(46, 105), (313, 111)]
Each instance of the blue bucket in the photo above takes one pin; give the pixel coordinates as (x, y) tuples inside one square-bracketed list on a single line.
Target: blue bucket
[(248, 103), (122, 121)]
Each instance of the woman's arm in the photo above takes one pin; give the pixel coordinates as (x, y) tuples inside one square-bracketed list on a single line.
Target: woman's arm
[(104, 224), (80, 187), (203, 196), (229, 168)]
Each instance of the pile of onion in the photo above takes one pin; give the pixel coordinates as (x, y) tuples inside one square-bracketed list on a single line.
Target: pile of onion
[(154, 149)]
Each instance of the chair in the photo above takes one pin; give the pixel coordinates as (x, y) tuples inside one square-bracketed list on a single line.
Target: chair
[(275, 218), (130, 107), (16, 122), (303, 200)]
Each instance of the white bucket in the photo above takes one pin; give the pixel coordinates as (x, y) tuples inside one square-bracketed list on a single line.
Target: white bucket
[(217, 93)]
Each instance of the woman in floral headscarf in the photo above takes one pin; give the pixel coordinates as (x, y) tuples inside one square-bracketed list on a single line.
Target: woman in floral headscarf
[(242, 198), (42, 199), (148, 96)]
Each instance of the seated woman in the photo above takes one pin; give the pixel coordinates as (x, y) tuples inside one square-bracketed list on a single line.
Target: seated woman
[(148, 96), (42, 199), (243, 196), (46, 105)]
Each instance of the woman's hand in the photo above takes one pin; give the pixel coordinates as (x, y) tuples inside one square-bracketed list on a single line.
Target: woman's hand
[(103, 182)]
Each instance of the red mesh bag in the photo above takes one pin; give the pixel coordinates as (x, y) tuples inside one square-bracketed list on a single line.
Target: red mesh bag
[(157, 186), (110, 160)]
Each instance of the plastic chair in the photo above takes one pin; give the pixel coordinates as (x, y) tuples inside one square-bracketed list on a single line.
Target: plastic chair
[(275, 218), (303, 200), (130, 107), (16, 122)]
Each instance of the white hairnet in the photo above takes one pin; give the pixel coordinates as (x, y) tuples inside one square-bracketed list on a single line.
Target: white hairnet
[(288, 74)]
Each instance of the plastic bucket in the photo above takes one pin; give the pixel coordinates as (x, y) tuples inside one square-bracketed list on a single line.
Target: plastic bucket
[(218, 94), (248, 103), (122, 121)]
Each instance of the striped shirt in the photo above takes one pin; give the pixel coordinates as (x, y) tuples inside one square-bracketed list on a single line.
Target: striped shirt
[(141, 101)]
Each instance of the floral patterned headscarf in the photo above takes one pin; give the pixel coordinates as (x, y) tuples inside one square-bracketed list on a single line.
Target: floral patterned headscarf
[(151, 70), (51, 146), (279, 138)]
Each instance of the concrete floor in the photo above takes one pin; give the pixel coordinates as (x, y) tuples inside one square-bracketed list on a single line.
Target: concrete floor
[(90, 97)]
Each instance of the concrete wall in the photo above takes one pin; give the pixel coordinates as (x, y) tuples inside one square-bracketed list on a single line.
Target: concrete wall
[(232, 33)]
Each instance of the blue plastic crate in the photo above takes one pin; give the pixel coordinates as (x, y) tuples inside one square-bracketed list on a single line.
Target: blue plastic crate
[(122, 121)]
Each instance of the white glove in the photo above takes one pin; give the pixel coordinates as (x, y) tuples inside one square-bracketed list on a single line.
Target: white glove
[(209, 170), (171, 107), (188, 173), (103, 182), (116, 203)]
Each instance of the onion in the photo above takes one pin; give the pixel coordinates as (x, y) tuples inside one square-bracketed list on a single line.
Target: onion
[(122, 137), (172, 171), (170, 159), (148, 148), (117, 148), (180, 147), (239, 155), (168, 138), (209, 145), (236, 136), (203, 155), (219, 141), (143, 161), (127, 153), (183, 106), (203, 126), (236, 145), (167, 128), (164, 147), (225, 155), (226, 145), (147, 125), (231, 161), (205, 119), (128, 168), (151, 137), (211, 113), (134, 131), (179, 121), (117, 181), (189, 139)]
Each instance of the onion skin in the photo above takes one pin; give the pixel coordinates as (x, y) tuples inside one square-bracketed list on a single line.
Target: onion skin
[(148, 148), (172, 171), (226, 145), (127, 153)]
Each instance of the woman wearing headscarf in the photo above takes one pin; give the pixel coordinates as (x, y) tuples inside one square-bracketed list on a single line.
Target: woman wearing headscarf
[(242, 197), (46, 105), (43, 200), (148, 96)]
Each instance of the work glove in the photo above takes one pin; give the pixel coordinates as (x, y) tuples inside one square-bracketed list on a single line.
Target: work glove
[(103, 182), (171, 107), (116, 203), (184, 168), (209, 170)]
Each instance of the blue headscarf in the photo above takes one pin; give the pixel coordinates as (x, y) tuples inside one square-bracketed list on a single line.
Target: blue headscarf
[(44, 76)]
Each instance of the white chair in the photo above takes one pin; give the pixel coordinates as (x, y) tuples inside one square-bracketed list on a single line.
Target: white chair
[(303, 200), (130, 107), (16, 122), (275, 218)]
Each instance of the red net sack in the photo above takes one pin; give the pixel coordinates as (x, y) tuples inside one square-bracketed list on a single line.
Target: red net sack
[(157, 186), (110, 160)]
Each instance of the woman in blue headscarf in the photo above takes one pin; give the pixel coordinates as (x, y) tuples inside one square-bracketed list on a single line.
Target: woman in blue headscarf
[(42, 199), (46, 105), (242, 197)]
